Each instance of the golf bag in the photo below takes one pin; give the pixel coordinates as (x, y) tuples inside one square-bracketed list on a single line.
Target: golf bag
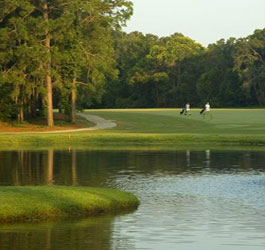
[(202, 111), (182, 111)]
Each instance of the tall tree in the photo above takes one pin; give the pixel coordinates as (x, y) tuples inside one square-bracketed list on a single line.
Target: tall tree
[(20, 54), (249, 59), (40, 32), (129, 50), (219, 83), (83, 23), (47, 66), (162, 68)]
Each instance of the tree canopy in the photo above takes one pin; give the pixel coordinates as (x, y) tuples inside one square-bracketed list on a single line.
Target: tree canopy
[(170, 71), (47, 45)]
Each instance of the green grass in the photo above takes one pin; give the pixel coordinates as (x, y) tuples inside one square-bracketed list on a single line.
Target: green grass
[(40, 203), (169, 121), (157, 127)]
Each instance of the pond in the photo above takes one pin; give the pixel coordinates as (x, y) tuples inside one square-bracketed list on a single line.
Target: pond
[(209, 200)]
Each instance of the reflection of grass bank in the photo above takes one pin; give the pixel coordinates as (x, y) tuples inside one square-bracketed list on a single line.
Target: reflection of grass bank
[(158, 127), (50, 202)]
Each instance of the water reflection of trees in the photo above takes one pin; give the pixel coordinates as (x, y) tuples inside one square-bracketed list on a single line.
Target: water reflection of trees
[(22, 167), (92, 233), (35, 168), (96, 168)]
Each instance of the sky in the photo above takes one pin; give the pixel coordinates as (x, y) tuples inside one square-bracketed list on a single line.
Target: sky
[(205, 21)]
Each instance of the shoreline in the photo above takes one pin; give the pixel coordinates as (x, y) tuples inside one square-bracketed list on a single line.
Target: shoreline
[(107, 138)]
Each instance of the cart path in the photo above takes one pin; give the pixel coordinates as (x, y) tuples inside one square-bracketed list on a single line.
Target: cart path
[(100, 123)]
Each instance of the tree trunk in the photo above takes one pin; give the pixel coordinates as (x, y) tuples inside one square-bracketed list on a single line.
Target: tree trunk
[(50, 106), (21, 113), (48, 67), (179, 76), (157, 94), (33, 101), (74, 102), (60, 110), (177, 83)]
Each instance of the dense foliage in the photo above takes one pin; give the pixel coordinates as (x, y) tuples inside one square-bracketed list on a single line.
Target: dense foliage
[(50, 47), (170, 71), (70, 54)]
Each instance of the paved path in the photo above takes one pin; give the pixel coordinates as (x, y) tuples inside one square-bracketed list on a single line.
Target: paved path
[(100, 123)]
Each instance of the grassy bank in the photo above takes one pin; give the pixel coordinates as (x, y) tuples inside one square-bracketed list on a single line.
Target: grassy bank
[(125, 139), (41, 203), (157, 127)]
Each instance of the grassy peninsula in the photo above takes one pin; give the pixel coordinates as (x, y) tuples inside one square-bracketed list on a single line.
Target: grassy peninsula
[(39, 203)]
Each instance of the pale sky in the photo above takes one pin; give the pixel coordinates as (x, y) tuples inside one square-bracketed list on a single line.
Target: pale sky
[(205, 21)]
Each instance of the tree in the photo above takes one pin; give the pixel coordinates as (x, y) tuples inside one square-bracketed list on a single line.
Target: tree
[(219, 83), (162, 68), (129, 50), (249, 59), (20, 55), (50, 45)]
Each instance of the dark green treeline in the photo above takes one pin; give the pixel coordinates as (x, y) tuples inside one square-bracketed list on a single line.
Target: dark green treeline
[(170, 71), (72, 54)]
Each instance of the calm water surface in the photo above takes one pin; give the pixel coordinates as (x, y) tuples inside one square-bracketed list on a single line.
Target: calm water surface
[(201, 200)]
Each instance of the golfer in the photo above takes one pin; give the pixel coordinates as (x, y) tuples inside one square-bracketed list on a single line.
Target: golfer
[(207, 108), (187, 109)]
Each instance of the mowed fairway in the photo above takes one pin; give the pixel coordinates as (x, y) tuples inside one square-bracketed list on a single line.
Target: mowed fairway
[(156, 127), (169, 121)]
